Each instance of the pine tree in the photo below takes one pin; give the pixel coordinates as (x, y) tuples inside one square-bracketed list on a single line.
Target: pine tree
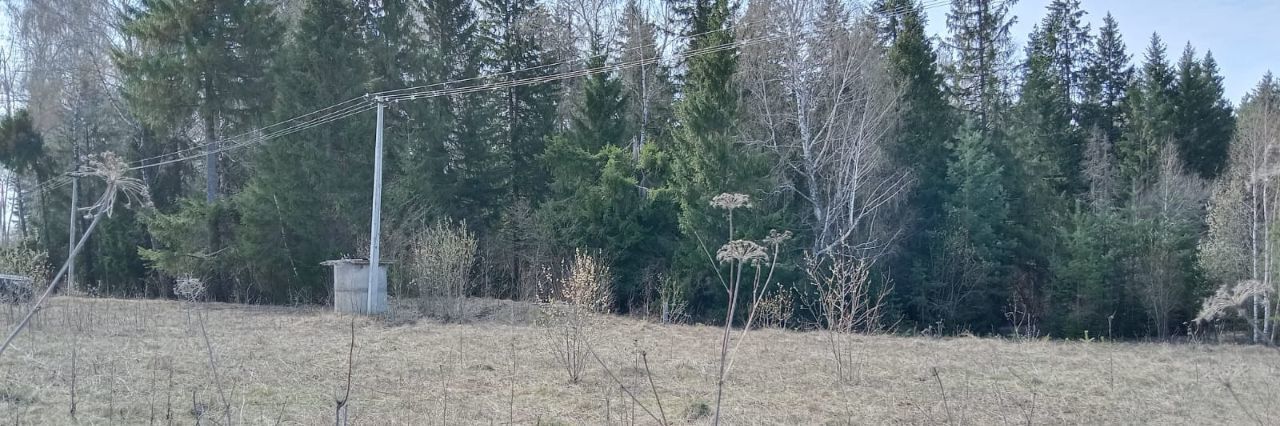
[(1203, 121), (307, 201), (1150, 110), (1107, 83), (981, 59), (526, 114)]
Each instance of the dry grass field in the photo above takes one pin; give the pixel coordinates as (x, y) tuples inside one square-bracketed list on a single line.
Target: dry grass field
[(145, 362)]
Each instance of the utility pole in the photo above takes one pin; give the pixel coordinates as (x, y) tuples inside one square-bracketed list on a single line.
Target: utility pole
[(71, 226), (375, 226)]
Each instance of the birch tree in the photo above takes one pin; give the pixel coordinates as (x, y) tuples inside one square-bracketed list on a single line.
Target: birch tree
[(1237, 248), (824, 104)]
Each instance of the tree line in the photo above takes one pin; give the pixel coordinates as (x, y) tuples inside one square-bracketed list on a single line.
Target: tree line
[(1062, 187)]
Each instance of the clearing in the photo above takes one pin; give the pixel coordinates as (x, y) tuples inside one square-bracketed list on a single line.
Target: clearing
[(145, 361)]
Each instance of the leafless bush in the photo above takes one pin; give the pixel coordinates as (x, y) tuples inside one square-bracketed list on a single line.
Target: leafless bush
[(777, 310), (571, 306), (1022, 322), (189, 288), (846, 304), (440, 264), (672, 300)]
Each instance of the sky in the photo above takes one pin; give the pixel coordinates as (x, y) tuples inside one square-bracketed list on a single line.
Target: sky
[(1244, 35)]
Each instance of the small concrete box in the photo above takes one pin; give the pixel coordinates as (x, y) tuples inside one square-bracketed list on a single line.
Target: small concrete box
[(351, 286)]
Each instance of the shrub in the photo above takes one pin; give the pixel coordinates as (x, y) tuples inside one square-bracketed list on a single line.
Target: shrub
[(439, 266), (18, 259), (571, 305)]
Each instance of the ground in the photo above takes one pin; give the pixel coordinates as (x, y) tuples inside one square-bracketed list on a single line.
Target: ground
[(145, 361)]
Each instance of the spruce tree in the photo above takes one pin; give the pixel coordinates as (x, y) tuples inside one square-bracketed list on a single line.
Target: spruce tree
[(926, 125), (978, 232), (394, 42), (595, 201), (1203, 120), (981, 59), (204, 58), (1049, 143), (525, 114), (207, 59), (707, 161), (307, 201), (1072, 42), (1107, 83), (452, 168), (1150, 113)]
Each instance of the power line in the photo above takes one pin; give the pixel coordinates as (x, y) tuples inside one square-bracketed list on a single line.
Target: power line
[(362, 104), (349, 102)]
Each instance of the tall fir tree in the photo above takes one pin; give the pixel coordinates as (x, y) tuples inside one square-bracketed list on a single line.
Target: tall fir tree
[(308, 198), (452, 168), (981, 59), (1203, 121), (207, 58), (1049, 143), (1150, 112), (707, 160), (595, 201), (393, 39), (978, 237), (1107, 83), (926, 125), (525, 114)]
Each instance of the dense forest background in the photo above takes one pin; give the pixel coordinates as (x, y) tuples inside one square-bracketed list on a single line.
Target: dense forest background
[(1072, 186)]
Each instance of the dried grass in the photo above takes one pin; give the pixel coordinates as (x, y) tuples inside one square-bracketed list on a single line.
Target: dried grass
[(1230, 298), (138, 362)]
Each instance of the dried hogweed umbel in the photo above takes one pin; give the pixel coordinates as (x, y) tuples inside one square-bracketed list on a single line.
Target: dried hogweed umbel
[(741, 251), (730, 201)]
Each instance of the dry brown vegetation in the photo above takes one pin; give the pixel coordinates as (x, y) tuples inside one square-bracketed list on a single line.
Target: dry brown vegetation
[(139, 362)]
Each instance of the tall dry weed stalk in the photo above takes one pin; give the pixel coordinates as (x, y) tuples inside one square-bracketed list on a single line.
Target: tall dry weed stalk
[(441, 258), (113, 170), (572, 305), (743, 258), (846, 305)]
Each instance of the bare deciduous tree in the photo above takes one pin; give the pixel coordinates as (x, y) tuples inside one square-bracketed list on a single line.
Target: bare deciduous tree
[(1237, 248), (819, 96), (1166, 215)]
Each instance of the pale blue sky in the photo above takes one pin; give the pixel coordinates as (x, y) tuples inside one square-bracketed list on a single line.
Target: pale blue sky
[(1244, 35)]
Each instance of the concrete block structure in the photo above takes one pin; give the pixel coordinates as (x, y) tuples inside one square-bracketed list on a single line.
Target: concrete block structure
[(351, 286)]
